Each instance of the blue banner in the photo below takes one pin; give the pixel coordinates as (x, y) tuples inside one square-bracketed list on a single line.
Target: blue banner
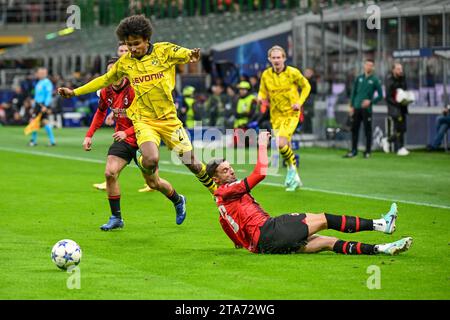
[(251, 58)]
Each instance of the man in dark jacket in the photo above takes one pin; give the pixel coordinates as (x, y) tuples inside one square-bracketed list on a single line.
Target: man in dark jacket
[(397, 111)]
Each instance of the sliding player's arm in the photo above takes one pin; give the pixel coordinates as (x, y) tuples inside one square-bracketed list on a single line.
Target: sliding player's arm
[(236, 189), (260, 171)]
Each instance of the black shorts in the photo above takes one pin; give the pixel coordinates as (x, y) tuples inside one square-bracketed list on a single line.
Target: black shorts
[(123, 150), (283, 234), (37, 110), (44, 116)]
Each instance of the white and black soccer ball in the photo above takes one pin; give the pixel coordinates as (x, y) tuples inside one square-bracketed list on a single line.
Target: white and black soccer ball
[(66, 253)]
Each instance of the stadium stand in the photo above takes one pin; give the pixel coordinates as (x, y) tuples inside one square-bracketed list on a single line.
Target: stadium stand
[(210, 25)]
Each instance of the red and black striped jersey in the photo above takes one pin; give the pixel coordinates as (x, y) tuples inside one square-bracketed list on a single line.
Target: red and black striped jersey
[(240, 215), (118, 101)]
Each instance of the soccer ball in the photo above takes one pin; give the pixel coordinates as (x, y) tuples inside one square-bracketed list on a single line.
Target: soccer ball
[(66, 253)]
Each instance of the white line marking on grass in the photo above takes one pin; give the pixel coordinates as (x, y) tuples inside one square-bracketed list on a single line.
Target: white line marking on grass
[(52, 155), (356, 195)]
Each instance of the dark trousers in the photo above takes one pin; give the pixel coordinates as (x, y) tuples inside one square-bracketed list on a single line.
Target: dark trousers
[(363, 115), (442, 125), (398, 135)]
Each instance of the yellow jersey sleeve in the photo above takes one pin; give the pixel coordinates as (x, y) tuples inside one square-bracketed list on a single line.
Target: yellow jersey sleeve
[(103, 81), (303, 83), (262, 93), (176, 54)]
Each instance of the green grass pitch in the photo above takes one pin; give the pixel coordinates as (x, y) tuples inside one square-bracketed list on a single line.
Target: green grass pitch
[(47, 195)]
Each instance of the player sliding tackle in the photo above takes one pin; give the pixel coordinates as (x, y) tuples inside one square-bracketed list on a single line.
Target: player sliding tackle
[(150, 68), (249, 226)]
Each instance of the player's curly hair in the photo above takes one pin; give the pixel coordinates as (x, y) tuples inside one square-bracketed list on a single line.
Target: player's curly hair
[(137, 25), (212, 165)]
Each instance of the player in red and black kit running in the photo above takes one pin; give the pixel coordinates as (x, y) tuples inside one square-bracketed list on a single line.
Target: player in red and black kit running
[(118, 97), (249, 226)]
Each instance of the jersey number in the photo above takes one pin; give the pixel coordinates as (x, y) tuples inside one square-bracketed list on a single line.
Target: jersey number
[(224, 214), (180, 133)]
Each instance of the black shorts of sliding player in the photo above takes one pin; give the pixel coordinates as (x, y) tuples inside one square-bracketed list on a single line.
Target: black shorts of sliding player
[(283, 234)]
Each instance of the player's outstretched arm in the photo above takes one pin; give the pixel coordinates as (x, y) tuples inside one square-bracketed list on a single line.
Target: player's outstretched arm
[(65, 92), (195, 55), (92, 86), (260, 171)]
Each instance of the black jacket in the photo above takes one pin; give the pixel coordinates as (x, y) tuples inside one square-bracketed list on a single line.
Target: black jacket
[(392, 84)]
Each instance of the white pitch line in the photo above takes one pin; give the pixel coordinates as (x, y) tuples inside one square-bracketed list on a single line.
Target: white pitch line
[(356, 195)]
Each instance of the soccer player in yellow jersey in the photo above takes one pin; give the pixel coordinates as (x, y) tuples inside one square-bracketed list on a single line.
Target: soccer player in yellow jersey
[(121, 50), (279, 87), (150, 67)]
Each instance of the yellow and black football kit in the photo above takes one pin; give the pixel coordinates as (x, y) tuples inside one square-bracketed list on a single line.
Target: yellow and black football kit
[(282, 91), (152, 77)]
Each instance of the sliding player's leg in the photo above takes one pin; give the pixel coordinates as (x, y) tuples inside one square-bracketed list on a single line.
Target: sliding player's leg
[(350, 224), (316, 243)]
